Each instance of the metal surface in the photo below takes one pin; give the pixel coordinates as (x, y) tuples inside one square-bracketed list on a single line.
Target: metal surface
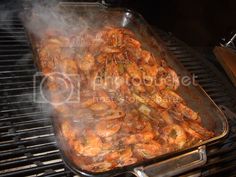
[(194, 96), (174, 166), (27, 142), (32, 153)]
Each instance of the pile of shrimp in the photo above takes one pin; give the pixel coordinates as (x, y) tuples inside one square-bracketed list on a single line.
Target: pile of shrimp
[(129, 109)]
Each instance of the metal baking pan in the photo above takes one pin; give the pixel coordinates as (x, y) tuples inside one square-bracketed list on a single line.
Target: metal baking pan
[(212, 117)]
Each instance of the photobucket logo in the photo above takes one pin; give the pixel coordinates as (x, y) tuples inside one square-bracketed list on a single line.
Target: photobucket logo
[(115, 82), (56, 88)]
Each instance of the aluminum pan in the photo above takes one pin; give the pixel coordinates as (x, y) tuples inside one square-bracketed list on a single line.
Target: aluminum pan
[(195, 96)]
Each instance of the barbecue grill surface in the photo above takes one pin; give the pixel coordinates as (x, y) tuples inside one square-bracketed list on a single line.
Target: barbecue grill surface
[(27, 142)]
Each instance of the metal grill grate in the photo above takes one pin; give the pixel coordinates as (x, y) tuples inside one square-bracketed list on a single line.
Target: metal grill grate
[(27, 143)]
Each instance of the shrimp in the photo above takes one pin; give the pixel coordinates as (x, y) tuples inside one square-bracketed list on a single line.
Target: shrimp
[(138, 138), (135, 76), (66, 130), (171, 96), (175, 134), (196, 130), (145, 56), (98, 166), (89, 144), (157, 98), (68, 66), (110, 50), (97, 107), (173, 78), (187, 112), (150, 71), (145, 100), (106, 128), (86, 63), (131, 42), (133, 71), (111, 114), (167, 118), (103, 96), (102, 58), (148, 150), (138, 130), (121, 157)]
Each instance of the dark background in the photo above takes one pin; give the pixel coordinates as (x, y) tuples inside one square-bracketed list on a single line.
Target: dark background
[(200, 23)]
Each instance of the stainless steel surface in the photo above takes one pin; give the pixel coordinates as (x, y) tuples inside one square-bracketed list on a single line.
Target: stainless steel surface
[(174, 166)]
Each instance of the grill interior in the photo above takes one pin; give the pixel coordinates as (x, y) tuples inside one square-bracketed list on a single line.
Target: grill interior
[(27, 142)]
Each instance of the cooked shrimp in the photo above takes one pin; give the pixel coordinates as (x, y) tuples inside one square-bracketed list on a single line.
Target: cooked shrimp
[(68, 66), (111, 114), (121, 157), (86, 63), (98, 166), (171, 96), (173, 78), (133, 70), (89, 144), (131, 42), (187, 112), (148, 150), (103, 96), (110, 50), (175, 134), (103, 58), (88, 102), (158, 99), (142, 137), (167, 118), (196, 130), (99, 107), (105, 128)]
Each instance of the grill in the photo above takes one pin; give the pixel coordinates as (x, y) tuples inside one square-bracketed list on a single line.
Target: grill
[(27, 142)]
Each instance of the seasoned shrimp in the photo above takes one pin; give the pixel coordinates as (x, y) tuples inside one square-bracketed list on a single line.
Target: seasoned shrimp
[(97, 107), (103, 96), (89, 144), (171, 96), (129, 109), (173, 77), (102, 58), (187, 112), (158, 99), (68, 66), (133, 70), (167, 118), (86, 63), (196, 130), (142, 137), (121, 157), (175, 134), (98, 166), (148, 150), (105, 128)]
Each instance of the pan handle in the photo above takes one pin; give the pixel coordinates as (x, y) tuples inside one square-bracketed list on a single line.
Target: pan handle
[(175, 165)]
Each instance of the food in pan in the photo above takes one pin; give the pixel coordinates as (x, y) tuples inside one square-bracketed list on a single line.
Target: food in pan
[(129, 109)]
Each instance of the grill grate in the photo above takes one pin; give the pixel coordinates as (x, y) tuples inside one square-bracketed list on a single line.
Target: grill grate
[(27, 142)]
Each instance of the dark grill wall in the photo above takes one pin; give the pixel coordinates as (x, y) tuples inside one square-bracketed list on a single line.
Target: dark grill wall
[(197, 22)]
